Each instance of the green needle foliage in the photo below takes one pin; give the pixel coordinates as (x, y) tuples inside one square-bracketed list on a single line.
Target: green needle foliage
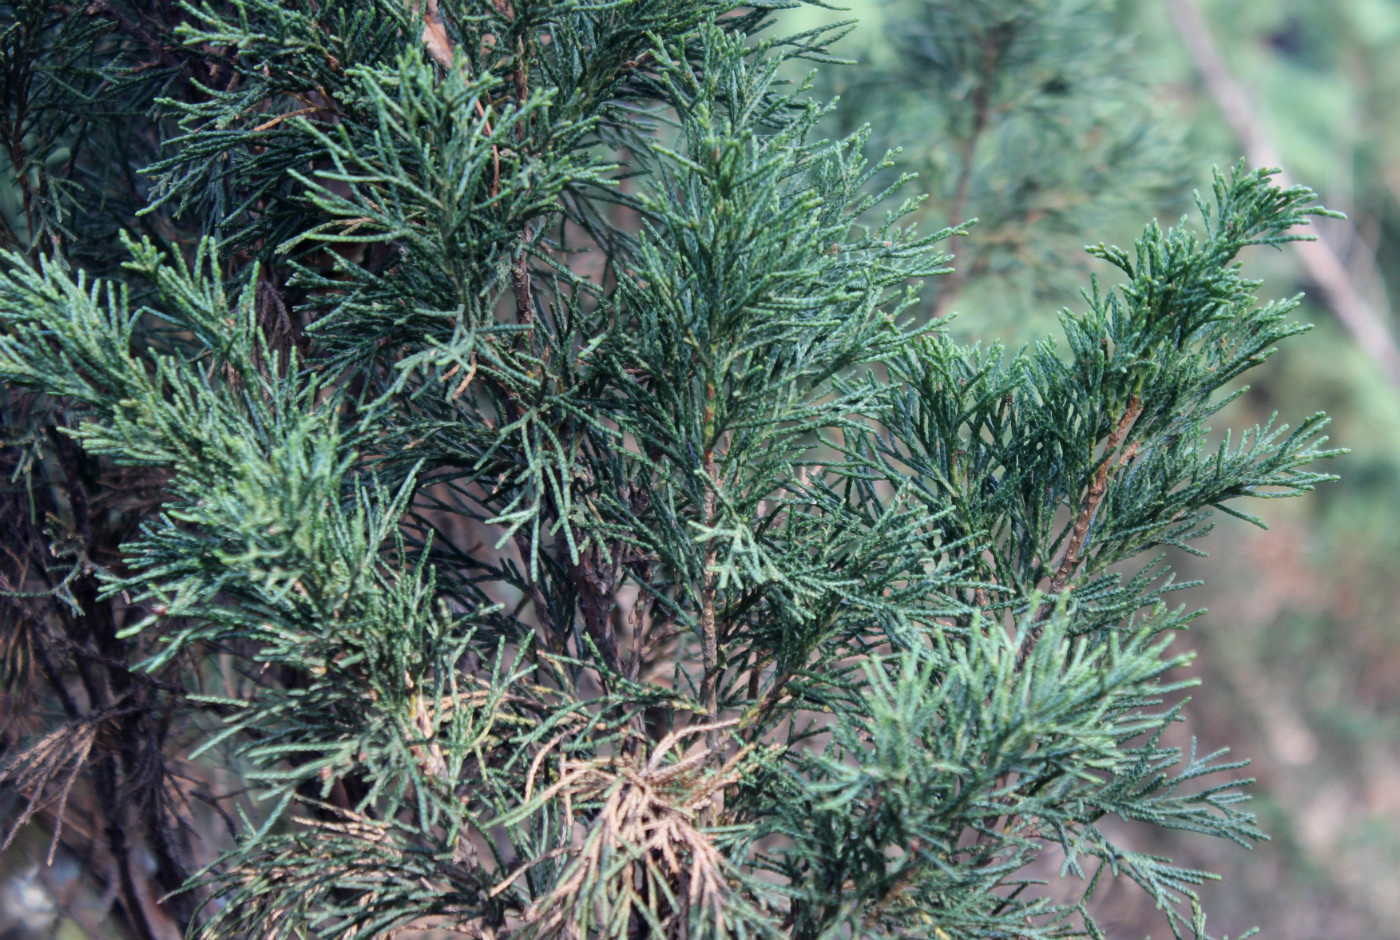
[(477, 468)]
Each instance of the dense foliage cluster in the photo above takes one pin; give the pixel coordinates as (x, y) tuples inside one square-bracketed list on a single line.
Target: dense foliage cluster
[(485, 453)]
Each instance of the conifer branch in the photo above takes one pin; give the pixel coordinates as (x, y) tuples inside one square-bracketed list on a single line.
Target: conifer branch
[(399, 564)]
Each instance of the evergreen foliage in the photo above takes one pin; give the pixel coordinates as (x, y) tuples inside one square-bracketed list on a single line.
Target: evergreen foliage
[(502, 437)]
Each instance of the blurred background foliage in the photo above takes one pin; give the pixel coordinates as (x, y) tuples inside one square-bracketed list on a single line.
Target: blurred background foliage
[(1061, 122), (1057, 123)]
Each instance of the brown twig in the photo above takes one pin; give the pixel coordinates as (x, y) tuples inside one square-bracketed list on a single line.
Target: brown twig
[(709, 632), (520, 272), (596, 577), (164, 50), (520, 281), (1069, 561)]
